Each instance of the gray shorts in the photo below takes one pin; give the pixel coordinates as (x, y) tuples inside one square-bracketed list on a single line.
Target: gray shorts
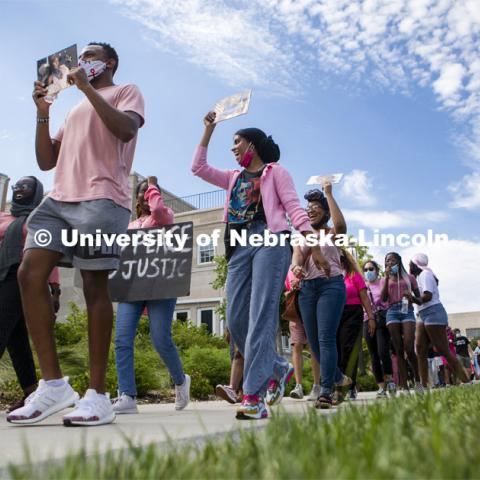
[(46, 222), (465, 361)]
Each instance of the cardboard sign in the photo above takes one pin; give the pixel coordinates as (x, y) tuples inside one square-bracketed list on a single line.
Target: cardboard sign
[(233, 106), (52, 71), (156, 271), (322, 179)]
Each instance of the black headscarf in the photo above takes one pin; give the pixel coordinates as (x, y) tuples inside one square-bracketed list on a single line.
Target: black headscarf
[(11, 248), (266, 148)]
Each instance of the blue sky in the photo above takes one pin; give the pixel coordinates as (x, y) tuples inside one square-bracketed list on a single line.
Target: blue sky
[(385, 92)]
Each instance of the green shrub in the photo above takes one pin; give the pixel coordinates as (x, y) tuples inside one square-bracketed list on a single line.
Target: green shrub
[(200, 387), (74, 329), (207, 364), (186, 335), (366, 383)]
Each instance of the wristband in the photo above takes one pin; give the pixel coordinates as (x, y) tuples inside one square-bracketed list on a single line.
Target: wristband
[(43, 119)]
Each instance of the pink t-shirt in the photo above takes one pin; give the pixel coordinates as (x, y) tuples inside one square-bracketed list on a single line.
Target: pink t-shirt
[(353, 284), (397, 289), (160, 214), (374, 291), (331, 254), (5, 220), (93, 163)]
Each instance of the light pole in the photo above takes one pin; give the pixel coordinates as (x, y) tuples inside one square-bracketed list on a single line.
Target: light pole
[(4, 180)]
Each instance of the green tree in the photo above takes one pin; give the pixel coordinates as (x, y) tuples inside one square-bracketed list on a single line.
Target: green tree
[(221, 269)]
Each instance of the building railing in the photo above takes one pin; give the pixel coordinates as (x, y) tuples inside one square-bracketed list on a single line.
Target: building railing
[(196, 202)]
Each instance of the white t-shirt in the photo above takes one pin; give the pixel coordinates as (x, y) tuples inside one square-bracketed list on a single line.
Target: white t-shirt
[(426, 283)]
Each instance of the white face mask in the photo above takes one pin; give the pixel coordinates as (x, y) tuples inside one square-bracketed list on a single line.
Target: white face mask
[(93, 68)]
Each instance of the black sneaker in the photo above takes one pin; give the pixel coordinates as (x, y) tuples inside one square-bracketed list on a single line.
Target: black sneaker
[(324, 402), (352, 394)]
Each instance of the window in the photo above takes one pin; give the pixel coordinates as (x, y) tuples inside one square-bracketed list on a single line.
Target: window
[(206, 317), (206, 254), (182, 315), (473, 332)]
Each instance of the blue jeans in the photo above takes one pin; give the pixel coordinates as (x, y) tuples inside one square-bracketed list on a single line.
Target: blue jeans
[(255, 281), (160, 315), (321, 302)]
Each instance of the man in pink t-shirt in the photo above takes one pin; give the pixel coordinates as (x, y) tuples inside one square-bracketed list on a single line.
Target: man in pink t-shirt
[(92, 154)]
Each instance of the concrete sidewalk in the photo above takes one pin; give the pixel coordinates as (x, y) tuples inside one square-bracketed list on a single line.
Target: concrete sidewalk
[(154, 424)]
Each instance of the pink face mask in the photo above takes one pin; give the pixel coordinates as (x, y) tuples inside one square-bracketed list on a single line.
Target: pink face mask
[(247, 157)]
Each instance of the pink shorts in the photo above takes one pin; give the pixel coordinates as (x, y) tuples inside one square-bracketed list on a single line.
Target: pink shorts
[(297, 333)]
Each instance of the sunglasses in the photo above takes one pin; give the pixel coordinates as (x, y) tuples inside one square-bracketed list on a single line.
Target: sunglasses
[(312, 208), (22, 187)]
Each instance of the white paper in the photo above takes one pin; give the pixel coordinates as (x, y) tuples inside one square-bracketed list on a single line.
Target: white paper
[(322, 179), (232, 106)]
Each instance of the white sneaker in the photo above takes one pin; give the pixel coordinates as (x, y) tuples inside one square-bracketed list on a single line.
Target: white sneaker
[(226, 392), (182, 394), (92, 409), (314, 394), (43, 402), (125, 404), (297, 392)]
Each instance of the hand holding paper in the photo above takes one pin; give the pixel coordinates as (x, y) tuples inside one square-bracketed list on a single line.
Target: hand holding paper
[(52, 71), (232, 106), (323, 179)]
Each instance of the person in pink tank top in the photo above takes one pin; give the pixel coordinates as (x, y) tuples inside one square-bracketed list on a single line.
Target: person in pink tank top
[(151, 212), (396, 294)]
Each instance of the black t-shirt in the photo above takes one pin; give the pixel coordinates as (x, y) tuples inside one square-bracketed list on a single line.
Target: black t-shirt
[(245, 200), (461, 346)]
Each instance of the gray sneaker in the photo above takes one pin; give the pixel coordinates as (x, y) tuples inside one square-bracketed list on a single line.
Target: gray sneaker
[(297, 392), (344, 382), (182, 394), (381, 393), (419, 388), (314, 394), (124, 404), (391, 388)]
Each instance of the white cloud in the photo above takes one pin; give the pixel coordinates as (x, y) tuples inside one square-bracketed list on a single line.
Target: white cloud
[(450, 80), (277, 44), (358, 187), (456, 265), (467, 192), (383, 219)]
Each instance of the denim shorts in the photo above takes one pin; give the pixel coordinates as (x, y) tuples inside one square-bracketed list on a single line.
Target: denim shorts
[(434, 315), (395, 315)]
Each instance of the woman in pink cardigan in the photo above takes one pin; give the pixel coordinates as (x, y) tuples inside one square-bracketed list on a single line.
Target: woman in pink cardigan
[(151, 212), (259, 196)]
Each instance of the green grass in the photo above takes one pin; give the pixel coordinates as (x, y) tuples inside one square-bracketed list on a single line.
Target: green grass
[(435, 436)]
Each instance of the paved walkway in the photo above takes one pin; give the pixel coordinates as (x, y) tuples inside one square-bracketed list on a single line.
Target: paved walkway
[(154, 424)]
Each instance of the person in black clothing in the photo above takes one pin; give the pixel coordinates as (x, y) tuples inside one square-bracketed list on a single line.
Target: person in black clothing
[(27, 194), (463, 350)]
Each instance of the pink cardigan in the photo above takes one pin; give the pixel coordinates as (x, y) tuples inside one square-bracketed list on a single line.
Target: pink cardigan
[(159, 213), (279, 196)]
